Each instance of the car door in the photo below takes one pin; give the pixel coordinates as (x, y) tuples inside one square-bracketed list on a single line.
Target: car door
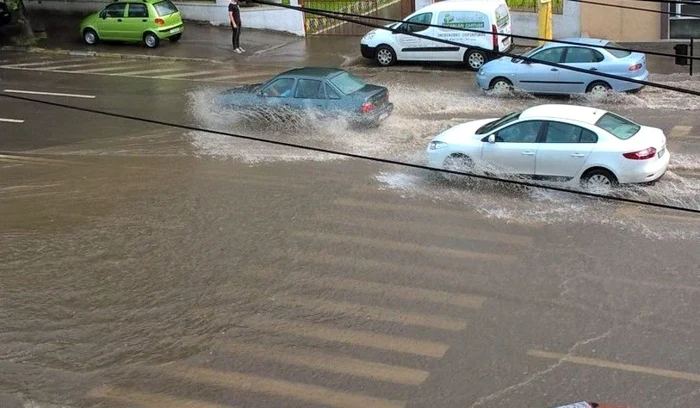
[(334, 102), (563, 151), (277, 96), (540, 78), (582, 58), (111, 25), (515, 148), (310, 95), (136, 21), (412, 48)]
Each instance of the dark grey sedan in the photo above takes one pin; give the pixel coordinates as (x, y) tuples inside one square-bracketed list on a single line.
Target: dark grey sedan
[(329, 92)]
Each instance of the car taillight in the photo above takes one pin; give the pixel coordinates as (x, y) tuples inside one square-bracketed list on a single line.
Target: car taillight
[(367, 107), (160, 21), (494, 36), (635, 67), (645, 154)]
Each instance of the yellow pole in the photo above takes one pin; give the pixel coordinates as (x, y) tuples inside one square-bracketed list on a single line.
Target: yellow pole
[(545, 20)]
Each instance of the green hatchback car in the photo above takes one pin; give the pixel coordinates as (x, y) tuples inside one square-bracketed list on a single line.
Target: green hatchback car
[(149, 21)]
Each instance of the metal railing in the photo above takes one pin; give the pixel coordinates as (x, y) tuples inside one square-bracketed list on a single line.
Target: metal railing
[(531, 6)]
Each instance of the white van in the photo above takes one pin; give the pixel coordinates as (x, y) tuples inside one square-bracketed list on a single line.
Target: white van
[(493, 16)]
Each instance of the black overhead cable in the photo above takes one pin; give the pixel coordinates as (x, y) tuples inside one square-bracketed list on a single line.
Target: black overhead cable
[(352, 155), (335, 15)]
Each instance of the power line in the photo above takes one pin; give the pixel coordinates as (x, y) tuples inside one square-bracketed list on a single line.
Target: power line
[(351, 155), (670, 13), (470, 30), (506, 54)]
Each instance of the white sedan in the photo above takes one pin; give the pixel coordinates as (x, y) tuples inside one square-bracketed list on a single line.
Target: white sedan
[(563, 143)]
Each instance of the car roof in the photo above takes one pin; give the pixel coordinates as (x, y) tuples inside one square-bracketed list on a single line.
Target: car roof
[(583, 114), (460, 5), (315, 72), (594, 42)]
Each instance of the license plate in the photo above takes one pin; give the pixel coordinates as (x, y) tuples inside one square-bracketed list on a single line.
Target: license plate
[(662, 151), (383, 116), (174, 30)]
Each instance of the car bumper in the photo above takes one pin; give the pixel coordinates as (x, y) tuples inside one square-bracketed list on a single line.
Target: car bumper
[(367, 51), (483, 81), (375, 117), (646, 174), (624, 86), (436, 158), (171, 31)]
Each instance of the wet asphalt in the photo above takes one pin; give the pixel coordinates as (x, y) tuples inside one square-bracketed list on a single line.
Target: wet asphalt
[(146, 265)]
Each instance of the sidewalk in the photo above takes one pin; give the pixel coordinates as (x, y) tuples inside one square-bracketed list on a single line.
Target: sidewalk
[(203, 41)]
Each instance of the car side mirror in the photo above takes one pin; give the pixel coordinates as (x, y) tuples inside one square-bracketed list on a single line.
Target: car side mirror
[(492, 139), (402, 28)]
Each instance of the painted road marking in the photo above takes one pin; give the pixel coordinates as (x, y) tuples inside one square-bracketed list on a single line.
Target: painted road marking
[(35, 64), (635, 211), (312, 394), (403, 246), (629, 281), (594, 362), (334, 364), (61, 67), (17, 91), (147, 399), (396, 291), (243, 75), (352, 337), (108, 69), (375, 313), (187, 74), (6, 120), (151, 71), (678, 132), (442, 230), (398, 207)]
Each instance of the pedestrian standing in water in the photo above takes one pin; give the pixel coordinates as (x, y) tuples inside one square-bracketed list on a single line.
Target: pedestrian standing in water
[(234, 15)]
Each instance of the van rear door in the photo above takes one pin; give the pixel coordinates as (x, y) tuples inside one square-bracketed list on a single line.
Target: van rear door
[(502, 25)]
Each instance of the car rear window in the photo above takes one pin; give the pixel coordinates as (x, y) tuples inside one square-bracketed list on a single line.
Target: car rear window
[(620, 127), (165, 8), (347, 83), (498, 123), (617, 53)]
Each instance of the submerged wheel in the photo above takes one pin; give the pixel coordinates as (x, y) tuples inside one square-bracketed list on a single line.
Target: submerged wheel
[(599, 181)]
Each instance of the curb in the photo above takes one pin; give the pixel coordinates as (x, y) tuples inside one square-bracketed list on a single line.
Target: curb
[(96, 54)]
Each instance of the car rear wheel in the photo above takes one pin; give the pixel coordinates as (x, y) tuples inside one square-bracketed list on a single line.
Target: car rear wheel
[(598, 181), (475, 59), (151, 40), (598, 88), (175, 38), (385, 55), (90, 36), (501, 85)]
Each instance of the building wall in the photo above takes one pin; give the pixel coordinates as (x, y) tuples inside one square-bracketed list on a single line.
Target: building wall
[(264, 18), (618, 24), (567, 24)]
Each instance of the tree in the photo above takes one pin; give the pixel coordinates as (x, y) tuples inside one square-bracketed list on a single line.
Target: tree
[(20, 27)]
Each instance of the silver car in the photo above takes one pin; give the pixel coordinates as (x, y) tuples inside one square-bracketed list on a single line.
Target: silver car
[(507, 73)]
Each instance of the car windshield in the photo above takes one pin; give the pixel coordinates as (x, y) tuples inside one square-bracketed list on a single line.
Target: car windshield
[(620, 127), (165, 8), (347, 83), (617, 53), (498, 123)]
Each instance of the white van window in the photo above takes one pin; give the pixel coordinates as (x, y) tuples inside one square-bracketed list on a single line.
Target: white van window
[(463, 19), (502, 16), (423, 18)]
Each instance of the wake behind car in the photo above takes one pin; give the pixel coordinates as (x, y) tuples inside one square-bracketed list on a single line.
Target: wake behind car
[(149, 21), (562, 143), (533, 77), (329, 92)]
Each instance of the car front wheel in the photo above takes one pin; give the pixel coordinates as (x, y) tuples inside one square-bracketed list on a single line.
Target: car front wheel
[(501, 85), (151, 40), (385, 56), (90, 36), (475, 59), (598, 88)]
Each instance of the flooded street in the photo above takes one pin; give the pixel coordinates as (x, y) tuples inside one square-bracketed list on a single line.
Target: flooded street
[(153, 266)]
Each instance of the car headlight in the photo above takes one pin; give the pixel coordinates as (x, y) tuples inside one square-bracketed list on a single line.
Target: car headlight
[(369, 35), (481, 71), (434, 145)]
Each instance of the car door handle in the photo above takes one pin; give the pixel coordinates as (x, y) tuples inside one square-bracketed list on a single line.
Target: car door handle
[(554, 69), (119, 20), (144, 21), (594, 69), (578, 155), (528, 153)]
